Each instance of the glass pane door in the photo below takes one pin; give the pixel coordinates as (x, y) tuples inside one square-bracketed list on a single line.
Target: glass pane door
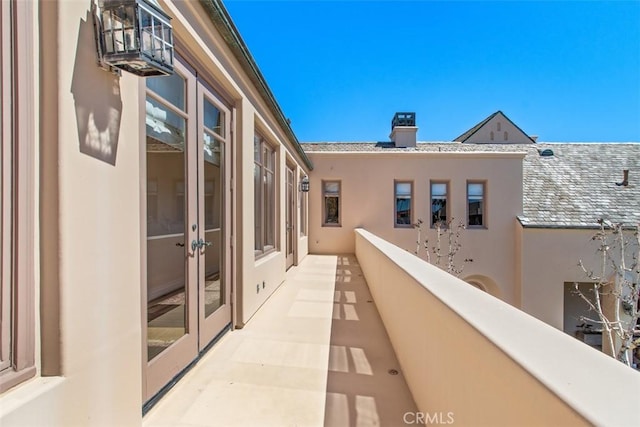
[(171, 279), (166, 263), (215, 218), (188, 224)]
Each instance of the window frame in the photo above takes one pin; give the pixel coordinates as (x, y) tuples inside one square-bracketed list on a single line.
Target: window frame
[(18, 214), (447, 204), (324, 204), (395, 203), (484, 204), (262, 245)]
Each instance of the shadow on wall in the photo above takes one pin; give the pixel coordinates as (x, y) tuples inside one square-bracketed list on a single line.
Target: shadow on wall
[(360, 388), (98, 104)]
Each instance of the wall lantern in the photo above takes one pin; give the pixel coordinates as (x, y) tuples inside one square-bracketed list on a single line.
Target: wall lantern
[(134, 36), (304, 184)]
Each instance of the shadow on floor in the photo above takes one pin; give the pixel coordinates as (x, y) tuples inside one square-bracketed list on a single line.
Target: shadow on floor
[(365, 385)]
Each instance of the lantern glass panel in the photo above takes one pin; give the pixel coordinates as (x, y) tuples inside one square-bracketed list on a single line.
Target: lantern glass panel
[(118, 29), (158, 44), (168, 44), (108, 31), (146, 25), (129, 22)]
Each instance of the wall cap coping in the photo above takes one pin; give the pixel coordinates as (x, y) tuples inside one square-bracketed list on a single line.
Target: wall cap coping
[(599, 388)]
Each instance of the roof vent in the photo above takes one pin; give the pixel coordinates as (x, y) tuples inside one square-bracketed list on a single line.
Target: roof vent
[(547, 152), (625, 179)]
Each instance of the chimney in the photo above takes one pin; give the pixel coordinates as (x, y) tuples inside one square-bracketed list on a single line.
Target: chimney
[(534, 138), (404, 130)]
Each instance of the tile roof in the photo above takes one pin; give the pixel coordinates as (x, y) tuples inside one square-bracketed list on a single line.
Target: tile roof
[(571, 189), (577, 185)]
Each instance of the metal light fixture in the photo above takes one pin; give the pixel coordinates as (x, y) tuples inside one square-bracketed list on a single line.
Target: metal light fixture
[(304, 184), (135, 36)]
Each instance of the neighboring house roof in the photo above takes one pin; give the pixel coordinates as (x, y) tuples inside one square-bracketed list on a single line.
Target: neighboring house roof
[(571, 189), (468, 134)]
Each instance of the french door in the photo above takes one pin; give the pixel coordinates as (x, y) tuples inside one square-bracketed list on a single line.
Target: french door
[(188, 165), (291, 216)]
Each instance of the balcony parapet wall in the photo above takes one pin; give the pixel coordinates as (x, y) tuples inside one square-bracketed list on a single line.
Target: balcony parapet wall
[(484, 362)]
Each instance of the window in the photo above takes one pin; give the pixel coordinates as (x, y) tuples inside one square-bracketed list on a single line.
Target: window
[(331, 203), (475, 204), (439, 192), (491, 135), (506, 135), (403, 205), (264, 195), (303, 210), (17, 216), (498, 126)]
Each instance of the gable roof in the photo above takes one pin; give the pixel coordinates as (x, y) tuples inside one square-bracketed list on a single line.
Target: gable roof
[(468, 134), (571, 189)]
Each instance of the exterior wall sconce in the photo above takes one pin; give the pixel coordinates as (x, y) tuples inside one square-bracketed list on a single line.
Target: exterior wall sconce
[(304, 184), (134, 36)]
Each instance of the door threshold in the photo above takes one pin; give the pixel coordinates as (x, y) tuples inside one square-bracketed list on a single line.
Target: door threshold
[(164, 390)]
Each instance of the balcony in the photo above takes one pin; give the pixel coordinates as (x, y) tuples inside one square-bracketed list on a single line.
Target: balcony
[(408, 345)]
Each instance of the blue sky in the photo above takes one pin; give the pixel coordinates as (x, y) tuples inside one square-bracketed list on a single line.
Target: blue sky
[(563, 70)]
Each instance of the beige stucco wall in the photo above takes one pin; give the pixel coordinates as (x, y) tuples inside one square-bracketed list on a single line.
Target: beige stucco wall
[(367, 194), (93, 151), (549, 258), (482, 362), (93, 170), (514, 135)]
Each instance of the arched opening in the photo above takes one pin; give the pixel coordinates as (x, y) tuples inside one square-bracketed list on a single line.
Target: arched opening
[(485, 284), (477, 285)]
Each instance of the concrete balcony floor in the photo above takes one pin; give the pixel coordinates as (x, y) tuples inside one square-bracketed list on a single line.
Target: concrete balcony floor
[(315, 354)]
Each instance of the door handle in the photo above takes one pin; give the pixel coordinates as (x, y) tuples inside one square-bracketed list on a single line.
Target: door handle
[(199, 244)]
